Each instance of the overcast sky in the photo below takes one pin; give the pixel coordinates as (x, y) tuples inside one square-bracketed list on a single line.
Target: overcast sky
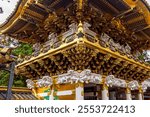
[(8, 7)]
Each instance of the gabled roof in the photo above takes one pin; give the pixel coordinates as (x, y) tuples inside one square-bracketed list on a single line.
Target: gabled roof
[(21, 93)]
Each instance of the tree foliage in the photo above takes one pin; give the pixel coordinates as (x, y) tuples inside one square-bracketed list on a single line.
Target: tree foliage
[(19, 81), (23, 49), (4, 77)]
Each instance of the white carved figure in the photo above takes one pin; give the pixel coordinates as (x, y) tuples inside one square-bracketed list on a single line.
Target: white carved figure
[(30, 83), (109, 80), (52, 38), (74, 76), (121, 83), (95, 78), (112, 45), (46, 81), (86, 29), (86, 26), (64, 78), (84, 77), (118, 46), (40, 83), (112, 81), (147, 56), (73, 27), (133, 85), (72, 30), (105, 37), (127, 49), (145, 85)]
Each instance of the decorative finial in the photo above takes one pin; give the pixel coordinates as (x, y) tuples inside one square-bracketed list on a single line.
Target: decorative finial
[(80, 27), (80, 32)]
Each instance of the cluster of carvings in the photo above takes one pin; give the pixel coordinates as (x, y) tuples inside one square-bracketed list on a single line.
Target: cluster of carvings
[(60, 29), (46, 81), (107, 41), (104, 40), (58, 23), (133, 85), (83, 77), (86, 76), (80, 57)]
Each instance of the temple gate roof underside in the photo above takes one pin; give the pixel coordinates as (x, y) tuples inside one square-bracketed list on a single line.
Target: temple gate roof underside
[(105, 36), (126, 21), (79, 50)]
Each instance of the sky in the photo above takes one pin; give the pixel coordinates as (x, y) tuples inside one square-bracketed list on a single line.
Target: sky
[(148, 1), (8, 7)]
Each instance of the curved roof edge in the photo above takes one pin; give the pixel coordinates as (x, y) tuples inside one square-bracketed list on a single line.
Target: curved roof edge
[(12, 14), (146, 4)]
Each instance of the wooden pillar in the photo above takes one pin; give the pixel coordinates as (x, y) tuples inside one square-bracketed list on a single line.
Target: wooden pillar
[(79, 91), (105, 94), (34, 92), (51, 97), (52, 93), (128, 94), (140, 94)]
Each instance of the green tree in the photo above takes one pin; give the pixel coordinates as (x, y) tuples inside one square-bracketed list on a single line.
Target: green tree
[(19, 81), (4, 77), (23, 50)]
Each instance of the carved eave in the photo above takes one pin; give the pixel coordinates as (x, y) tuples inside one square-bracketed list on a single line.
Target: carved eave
[(29, 17), (4, 27), (34, 20), (82, 51), (26, 19), (133, 15)]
